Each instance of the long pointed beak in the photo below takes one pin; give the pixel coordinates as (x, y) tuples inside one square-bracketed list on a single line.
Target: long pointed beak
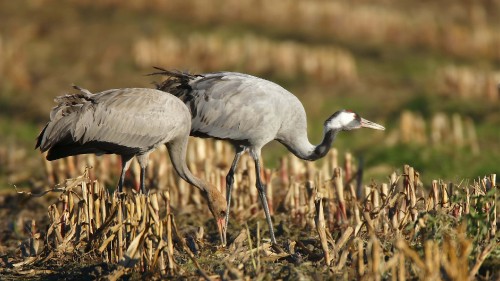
[(221, 226), (372, 125)]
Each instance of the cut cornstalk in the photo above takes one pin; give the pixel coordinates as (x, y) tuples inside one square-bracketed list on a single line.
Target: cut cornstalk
[(319, 219), (339, 187)]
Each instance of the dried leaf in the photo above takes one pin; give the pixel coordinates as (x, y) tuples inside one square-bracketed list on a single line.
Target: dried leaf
[(134, 250)]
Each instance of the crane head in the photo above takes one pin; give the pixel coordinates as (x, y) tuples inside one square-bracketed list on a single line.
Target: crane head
[(346, 120), (218, 208)]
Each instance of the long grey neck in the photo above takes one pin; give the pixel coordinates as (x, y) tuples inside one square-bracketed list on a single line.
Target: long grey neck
[(322, 149), (177, 151), (302, 148)]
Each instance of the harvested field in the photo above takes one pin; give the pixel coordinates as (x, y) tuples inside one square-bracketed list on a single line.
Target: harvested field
[(329, 223)]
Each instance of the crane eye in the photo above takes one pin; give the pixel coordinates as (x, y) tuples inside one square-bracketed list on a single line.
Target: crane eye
[(222, 213)]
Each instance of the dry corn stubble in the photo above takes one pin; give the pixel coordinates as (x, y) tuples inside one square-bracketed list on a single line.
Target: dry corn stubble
[(381, 231)]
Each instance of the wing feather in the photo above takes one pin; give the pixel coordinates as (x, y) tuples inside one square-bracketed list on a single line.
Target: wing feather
[(132, 117), (236, 106), (139, 119), (233, 106)]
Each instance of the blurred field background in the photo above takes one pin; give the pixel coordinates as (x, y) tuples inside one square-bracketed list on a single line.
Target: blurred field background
[(427, 70)]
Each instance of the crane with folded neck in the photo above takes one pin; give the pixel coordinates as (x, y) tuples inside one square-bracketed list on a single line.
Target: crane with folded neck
[(250, 112), (128, 122)]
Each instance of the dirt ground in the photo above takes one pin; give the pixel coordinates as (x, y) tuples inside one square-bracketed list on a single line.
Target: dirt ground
[(18, 211), (299, 255)]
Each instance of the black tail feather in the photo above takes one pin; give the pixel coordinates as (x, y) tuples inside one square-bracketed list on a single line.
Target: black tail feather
[(176, 80), (40, 137), (61, 151)]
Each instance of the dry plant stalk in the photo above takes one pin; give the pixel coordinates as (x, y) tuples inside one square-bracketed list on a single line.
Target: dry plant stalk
[(360, 258), (319, 219), (444, 196), (357, 217), (493, 224), (101, 222), (410, 191), (374, 258), (138, 231), (339, 187)]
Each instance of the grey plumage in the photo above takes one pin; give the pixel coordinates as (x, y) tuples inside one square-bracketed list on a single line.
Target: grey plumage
[(128, 122), (235, 106), (250, 112), (109, 122)]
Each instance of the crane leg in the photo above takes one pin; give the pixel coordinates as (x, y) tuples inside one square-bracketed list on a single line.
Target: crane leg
[(230, 182), (143, 163), (143, 179), (263, 198), (125, 166)]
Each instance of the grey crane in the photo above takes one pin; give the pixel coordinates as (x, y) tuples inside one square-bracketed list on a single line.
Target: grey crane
[(128, 122), (249, 112)]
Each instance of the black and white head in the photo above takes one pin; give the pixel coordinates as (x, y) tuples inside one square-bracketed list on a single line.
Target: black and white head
[(346, 120)]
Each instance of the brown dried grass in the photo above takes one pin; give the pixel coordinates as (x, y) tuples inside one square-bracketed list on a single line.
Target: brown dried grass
[(440, 131), (465, 30), (351, 229), (468, 83), (251, 54)]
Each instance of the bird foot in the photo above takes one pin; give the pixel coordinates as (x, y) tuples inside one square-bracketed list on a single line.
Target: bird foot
[(277, 248)]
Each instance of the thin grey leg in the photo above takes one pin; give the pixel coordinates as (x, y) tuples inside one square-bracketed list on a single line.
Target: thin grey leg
[(230, 181), (125, 166), (263, 199), (143, 163), (143, 180)]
